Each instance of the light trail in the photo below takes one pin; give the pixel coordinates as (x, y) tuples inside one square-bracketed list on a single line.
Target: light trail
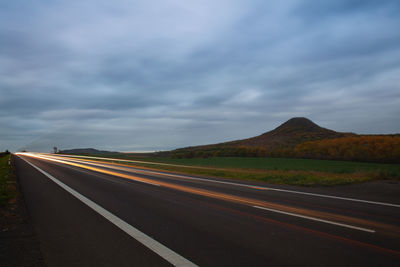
[(230, 183), (334, 219), (166, 253)]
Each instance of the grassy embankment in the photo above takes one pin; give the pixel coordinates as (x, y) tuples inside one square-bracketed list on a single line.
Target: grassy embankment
[(303, 172), (6, 192)]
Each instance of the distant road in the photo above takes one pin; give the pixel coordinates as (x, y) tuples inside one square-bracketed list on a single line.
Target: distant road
[(95, 213)]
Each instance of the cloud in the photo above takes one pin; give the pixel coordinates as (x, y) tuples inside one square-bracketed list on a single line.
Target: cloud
[(131, 75)]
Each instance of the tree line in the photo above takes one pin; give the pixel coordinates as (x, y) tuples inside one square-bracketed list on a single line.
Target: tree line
[(368, 148), (360, 148)]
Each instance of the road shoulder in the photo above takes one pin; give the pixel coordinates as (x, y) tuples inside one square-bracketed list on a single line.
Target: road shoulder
[(19, 245)]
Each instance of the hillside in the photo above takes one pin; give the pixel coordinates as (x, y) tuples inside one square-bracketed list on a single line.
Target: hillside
[(289, 134), (296, 138), (302, 138), (367, 148)]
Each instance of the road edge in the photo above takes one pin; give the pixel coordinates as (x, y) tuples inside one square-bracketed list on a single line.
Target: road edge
[(20, 245)]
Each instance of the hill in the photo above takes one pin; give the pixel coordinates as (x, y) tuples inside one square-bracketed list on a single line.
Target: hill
[(285, 137), (296, 138), (291, 133)]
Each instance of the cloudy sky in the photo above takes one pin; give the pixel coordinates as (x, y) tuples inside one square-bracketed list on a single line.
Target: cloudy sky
[(132, 75)]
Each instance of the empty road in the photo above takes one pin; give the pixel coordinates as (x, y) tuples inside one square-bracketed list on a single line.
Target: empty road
[(98, 213)]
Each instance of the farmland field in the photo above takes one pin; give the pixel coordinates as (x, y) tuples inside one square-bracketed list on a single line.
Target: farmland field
[(283, 164), (276, 170)]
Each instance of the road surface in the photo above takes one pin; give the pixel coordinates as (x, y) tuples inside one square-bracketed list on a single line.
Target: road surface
[(98, 213)]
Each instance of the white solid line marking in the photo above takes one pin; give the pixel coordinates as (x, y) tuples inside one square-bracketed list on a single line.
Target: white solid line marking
[(147, 182), (245, 185), (166, 253), (318, 220), (336, 197)]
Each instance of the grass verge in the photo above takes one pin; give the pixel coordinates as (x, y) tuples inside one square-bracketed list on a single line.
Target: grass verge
[(292, 177), (7, 187)]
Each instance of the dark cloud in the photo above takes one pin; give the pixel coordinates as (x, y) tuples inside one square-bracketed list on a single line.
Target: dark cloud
[(135, 76)]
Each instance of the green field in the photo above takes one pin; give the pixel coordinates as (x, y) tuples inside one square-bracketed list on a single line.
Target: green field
[(5, 192), (284, 164), (278, 170)]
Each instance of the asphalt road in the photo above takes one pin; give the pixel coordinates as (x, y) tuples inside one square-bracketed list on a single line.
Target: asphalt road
[(162, 219)]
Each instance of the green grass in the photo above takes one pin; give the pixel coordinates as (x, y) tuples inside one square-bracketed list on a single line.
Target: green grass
[(5, 192), (286, 164), (303, 172), (302, 178)]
